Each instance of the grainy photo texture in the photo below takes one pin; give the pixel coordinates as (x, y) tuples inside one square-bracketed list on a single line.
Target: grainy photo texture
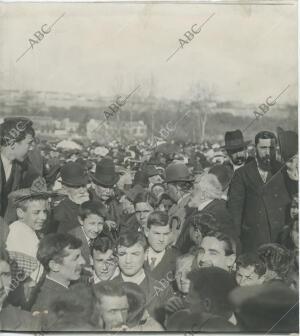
[(149, 167)]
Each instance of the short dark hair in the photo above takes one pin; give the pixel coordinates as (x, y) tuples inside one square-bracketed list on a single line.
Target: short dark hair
[(52, 247), (103, 244), (91, 208), (230, 243), (128, 239), (14, 130), (264, 135), (158, 218), (108, 288), (251, 259), (277, 258), (216, 284)]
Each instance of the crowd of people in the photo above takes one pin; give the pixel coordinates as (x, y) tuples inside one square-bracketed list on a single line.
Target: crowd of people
[(172, 237)]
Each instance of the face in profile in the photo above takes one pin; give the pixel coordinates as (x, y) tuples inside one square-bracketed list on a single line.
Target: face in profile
[(35, 214), (131, 259), (21, 148), (72, 264), (92, 225), (105, 264), (114, 311)]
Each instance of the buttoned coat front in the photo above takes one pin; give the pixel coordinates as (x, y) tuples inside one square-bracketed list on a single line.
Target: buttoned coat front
[(258, 209)]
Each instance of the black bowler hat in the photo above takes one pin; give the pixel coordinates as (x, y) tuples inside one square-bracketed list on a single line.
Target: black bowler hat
[(235, 140), (105, 174), (73, 175)]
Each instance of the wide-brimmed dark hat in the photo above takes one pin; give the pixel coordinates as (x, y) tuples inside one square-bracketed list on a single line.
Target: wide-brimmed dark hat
[(178, 172), (38, 189), (235, 140), (288, 143), (105, 174), (73, 175)]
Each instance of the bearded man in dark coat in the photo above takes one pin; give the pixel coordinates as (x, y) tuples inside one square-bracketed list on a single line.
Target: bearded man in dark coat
[(258, 197)]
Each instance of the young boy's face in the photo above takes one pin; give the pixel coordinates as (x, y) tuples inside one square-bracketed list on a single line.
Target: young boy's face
[(93, 225), (158, 237), (35, 215), (105, 264), (246, 276)]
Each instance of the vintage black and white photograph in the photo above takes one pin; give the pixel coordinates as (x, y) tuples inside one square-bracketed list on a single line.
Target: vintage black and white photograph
[(149, 167)]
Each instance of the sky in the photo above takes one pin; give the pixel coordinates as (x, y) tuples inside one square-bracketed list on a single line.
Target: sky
[(242, 52)]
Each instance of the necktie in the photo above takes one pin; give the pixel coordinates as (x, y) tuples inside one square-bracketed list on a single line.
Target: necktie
[(152, 264)]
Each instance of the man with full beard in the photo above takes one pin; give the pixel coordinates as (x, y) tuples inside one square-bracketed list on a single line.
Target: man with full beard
[(258, 197)]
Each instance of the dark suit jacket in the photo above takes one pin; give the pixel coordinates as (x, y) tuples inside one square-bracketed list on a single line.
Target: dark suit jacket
[(65, 216), (258, 209), (17, 176), (167, 264), (85, 249), (218, 209), (47, 292), (15, 319)]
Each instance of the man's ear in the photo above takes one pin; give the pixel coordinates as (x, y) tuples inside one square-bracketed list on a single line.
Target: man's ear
[(146, 231), (20, 213), (91, 259), (54, 267)]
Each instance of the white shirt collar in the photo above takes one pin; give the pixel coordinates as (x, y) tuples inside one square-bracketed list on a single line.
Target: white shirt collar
[(137, 279), (97, 280), (7, 165), (49, 278), (204, 204), (232, 319), (157, 255)]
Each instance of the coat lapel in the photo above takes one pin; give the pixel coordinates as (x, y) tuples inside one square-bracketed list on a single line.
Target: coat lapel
[(254, 176)]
